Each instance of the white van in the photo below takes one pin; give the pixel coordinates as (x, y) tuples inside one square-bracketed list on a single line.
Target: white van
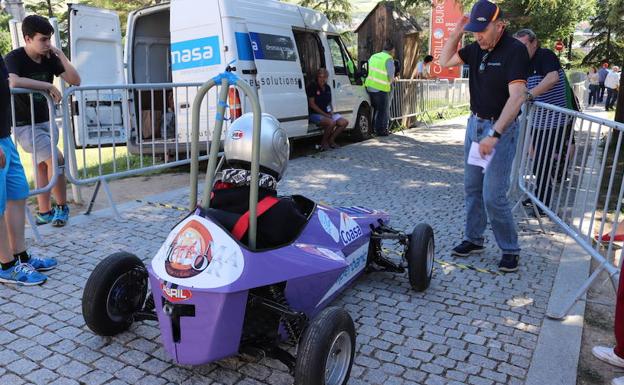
[(275, 47)]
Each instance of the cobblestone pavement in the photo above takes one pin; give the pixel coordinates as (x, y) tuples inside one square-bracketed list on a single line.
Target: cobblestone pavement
[(467, 328)]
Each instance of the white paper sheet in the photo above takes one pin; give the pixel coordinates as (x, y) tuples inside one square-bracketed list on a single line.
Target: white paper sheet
[(475, 159)]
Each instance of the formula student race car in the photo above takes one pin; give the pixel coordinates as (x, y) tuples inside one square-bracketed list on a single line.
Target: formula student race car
[(215, 297)]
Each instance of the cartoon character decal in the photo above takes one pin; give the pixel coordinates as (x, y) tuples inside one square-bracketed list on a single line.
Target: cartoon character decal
[(199, 254)]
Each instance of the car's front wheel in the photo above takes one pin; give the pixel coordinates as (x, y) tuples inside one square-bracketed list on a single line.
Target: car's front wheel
[(115, 290)]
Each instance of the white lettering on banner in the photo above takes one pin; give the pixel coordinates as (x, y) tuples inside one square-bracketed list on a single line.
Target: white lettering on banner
[(349, 229)]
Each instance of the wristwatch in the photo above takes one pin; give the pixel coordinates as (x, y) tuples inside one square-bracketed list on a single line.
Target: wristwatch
[(494, 133), (529, 96)]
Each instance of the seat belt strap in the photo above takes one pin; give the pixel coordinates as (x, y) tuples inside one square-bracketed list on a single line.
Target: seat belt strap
[(242, 225)]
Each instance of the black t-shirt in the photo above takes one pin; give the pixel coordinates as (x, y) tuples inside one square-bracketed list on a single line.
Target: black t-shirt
[(506, 63), (20, 64), (543, 62), (322, 96), (5, 102)]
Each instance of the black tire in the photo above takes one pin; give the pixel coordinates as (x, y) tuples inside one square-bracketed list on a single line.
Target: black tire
[(331, 331), (363, 128), (420, 253), (115, 290)]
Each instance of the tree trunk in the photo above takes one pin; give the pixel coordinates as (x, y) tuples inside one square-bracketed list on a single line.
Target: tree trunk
[(619, 107), (50, 12)]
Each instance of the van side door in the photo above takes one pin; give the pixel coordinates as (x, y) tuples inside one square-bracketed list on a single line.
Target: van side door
[(97, 53), (343, 95), (279, 79)]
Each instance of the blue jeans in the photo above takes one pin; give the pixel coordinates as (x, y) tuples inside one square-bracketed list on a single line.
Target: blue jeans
[(612, 95), (379, 100), (486, 194)]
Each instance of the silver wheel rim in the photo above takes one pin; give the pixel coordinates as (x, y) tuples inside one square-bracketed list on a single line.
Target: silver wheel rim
[(338, 359), (430, 256), (363, 124)]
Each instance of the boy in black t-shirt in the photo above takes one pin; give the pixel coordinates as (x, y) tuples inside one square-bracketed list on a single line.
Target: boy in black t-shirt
[(34, 66), (16, 265)]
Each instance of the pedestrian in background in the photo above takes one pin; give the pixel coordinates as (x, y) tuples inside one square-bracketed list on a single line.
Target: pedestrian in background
[(423, 68), (498, 76), (612, 84), (378, 84), (34, 66), (546, 83), (322, 111), (594, 86), (602, 76)]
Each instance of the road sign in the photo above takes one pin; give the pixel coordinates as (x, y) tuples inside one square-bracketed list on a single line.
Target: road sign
[(559, 46)]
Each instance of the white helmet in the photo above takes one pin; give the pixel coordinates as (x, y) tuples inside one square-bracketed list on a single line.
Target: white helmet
[(274, 146)]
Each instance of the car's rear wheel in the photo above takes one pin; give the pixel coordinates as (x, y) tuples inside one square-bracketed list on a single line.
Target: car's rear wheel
[(326, 349), (420, 254), (363, 127), (115, 290)]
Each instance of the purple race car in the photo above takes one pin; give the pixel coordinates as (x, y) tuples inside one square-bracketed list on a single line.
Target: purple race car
[(214, 297)]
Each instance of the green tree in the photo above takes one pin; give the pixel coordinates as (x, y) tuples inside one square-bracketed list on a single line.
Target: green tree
[(608, 40), (5, 36), (550, 19), (123, 8), (337, 11)]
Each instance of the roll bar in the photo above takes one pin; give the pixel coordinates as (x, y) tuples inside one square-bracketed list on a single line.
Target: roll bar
[(225, 80)]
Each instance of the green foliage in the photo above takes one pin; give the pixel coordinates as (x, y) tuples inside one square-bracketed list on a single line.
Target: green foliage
[(5, 36), (337, 11), (551, 20), (123, 8), (608, 42)]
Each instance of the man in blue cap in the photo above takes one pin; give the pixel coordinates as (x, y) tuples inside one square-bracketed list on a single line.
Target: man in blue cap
[(498, 74)]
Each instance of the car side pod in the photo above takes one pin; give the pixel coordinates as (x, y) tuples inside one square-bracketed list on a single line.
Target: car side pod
[(201, 279)]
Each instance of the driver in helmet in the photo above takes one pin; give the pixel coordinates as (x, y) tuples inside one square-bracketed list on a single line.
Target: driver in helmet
[(279, 219)]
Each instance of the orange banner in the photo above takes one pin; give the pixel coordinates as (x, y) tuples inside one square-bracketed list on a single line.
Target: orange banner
[(444, 17)]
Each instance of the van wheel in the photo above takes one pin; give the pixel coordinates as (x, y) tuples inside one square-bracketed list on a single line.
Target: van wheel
[(363, 127)]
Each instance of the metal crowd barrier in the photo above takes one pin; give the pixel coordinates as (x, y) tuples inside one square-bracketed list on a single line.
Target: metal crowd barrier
[(54, 134), (421, 98), (127, 130), (572, 171)]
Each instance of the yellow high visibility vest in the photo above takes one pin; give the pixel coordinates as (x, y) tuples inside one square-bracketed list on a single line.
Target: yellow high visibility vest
[(378, 73)]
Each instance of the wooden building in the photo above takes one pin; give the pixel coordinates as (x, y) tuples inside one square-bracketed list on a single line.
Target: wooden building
[(387, 22)]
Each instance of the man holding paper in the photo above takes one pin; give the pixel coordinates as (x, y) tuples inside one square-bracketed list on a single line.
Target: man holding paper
[(498, 73)]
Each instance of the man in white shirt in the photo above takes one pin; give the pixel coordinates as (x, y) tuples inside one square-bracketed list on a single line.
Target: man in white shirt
[(612, 83)]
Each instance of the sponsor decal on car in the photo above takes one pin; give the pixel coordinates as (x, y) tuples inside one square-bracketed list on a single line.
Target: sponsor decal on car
[(321, 251), (357, 262), (190, 252), (328, 225), (175, 294), (349, 229), (198, 254), (237, 134)]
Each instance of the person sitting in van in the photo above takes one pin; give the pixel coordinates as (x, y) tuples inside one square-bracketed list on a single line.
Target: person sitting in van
[(34, 66), (322, 112), (279, 219)]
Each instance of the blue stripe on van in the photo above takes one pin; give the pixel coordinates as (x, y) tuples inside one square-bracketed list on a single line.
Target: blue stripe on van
[(256, 45), (195, 53), (243, 46)]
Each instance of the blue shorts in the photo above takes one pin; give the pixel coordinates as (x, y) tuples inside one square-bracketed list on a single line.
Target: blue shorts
[(316, 118), (13, 184)]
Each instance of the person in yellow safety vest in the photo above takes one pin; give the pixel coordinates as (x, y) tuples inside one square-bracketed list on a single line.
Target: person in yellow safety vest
[(378, 84), (351, 71)]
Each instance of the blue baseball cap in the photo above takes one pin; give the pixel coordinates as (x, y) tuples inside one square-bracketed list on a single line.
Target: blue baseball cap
[(483, 13)]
